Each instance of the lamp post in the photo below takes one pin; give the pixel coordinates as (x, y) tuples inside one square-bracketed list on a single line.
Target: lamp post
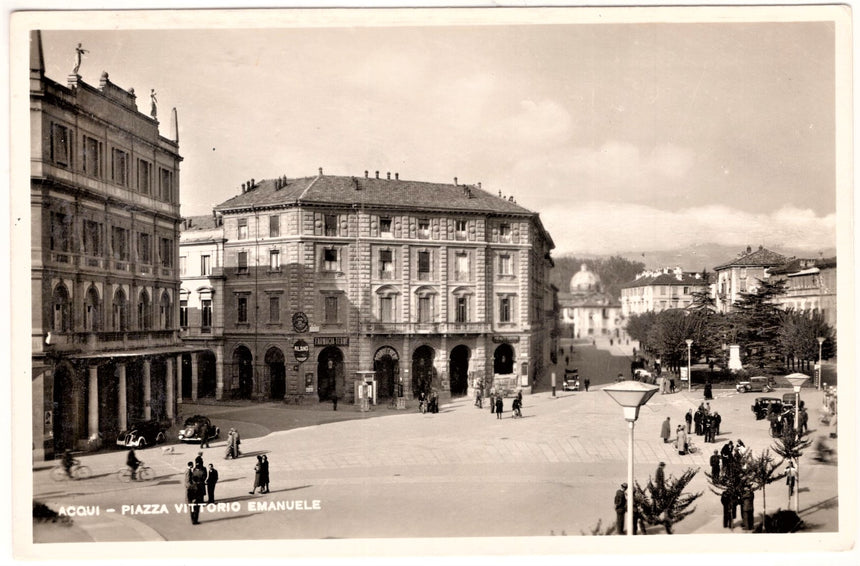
[(818, 377), (630, 395), (689, 375), (797, 380)]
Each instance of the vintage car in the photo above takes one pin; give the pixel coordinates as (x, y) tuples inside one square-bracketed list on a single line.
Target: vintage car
[(190, 431), (758, 383), (143, 434), (571, 380), (641, 374), (763, 406)]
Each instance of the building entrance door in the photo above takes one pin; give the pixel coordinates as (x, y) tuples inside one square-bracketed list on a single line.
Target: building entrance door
[(386, 364), (329, 372), (65, 409), (422, 370), (277, 373), (503, 360), (458, 370), (243, 365)]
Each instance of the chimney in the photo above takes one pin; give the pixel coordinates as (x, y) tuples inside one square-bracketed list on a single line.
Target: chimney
[(377, 174), (189, 222), (184, 223), (321, 172), (252, 185), (749, 249), (479, 184), (455, 181), (244, 190), (396, 176), (389, 175), (365, 174), (500, 193)]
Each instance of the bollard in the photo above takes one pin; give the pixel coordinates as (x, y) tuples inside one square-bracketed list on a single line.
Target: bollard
[(553, 384)]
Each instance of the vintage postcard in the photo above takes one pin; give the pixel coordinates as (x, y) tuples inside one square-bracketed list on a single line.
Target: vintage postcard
[(419, 282)]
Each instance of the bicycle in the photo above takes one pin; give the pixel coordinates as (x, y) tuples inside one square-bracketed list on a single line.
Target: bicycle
[(144, 473), (76, 472)]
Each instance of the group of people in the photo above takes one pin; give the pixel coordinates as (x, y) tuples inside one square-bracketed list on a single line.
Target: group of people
[(198, 483), (233, 441), (706, 422), (428, 403), (497, 404), (261, 475)]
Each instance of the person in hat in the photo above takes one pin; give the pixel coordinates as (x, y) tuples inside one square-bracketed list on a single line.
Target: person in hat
[(620, 508), (659, 475), (666, 431)]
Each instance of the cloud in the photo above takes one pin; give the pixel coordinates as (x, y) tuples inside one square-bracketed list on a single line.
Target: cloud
[(607, 227), (538, 123)]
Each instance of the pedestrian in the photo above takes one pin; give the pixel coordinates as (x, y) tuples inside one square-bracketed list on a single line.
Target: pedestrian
[(706, 427), (211, 480), (726, 454), (716, 426), (620, 508), (697, 421), (236, 441), (688, 418), (258, 475), (803, 421), (264, 472), (659, 476), (682, 441), (726, 500), (586, 382), (204, 436), (188, 471), (715, 465), (515, 407), (500, 405), (708, 392), (194, 494), (132, 462), (198, 461), (666, 431), (229, 452), (747, 510), (492, 400), (790, 478), (671, 384), (334, 400)]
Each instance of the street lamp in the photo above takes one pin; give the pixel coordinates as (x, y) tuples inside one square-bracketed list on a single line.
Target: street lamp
[(689, 375), (630, 395), (797, 380), (818, 380)]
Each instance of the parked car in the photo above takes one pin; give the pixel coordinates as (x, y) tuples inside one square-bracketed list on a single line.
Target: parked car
[(759, 383), (190, 431), (765, 405), (641, 374), (143, 434), (571, 380)]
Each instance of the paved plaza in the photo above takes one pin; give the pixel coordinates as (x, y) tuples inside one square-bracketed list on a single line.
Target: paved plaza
[(459, 473)]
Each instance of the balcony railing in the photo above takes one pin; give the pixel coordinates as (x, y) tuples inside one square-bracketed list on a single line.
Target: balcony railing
[(114, 340), (425, 327)]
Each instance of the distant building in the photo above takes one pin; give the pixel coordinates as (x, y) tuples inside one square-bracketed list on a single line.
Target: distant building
[(319, 280), (659, 290), (810, 286), (104, 192), (742, 275), (586, 310)]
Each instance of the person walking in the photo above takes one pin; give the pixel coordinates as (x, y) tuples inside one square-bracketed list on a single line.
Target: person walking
[(715, 465), (500, 405), (258, 475), (187, 480), (790, 478), (586, 382), (198, 461), (666, 431), (708, 391), (230, 445), (620, 508), (236, 442), (211, 480), (264, 472), (682, 441), (132, 462), (660, 476), (688, 418), (334, 400), (803, 421), (195, 493), (492, 400), (204, 436)]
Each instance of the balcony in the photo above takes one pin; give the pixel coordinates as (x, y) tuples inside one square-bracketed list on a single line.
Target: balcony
[(425, 328), (97, 341)]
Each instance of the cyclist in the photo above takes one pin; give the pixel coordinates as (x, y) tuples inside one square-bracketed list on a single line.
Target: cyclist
[(132, 462), (68, 462)]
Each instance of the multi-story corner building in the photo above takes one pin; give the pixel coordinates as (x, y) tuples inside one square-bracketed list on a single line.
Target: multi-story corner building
[(201, 268), (810, 286), (586, 310), (428, 285), (105, 231), (659, 290), (742, 275)]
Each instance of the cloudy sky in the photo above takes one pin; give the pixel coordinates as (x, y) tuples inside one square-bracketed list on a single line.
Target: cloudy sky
[(624, 137)]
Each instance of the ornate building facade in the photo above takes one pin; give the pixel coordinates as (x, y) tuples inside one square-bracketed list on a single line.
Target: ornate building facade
[(587, 311), (660, 290), (429, 286), (105, 231), (742, 274)]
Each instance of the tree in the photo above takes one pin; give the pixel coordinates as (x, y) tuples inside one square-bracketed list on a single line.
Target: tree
[(791, 445), (798, 336), (763, 471), (666, 505), (757, 319)]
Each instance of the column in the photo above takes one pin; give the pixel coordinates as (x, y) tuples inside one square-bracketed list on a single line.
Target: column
[(169, 387), (194, 377), (93, 401), (178, 380), (147, 389), (122, 401), (219, 373)]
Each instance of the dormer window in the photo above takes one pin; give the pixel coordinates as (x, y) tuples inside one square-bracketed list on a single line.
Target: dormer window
[(424, 228), (331, 224), (385, 226), (505, 232)]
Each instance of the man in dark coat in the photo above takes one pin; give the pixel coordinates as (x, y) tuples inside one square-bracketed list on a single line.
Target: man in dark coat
[(586, 382), (697, 420), (666, 431), (500, 405), (747, 512), (716, 425), (204, 436), (194, 493), (726, 500), (620, 508), (660, 476), (715, 465), (211, 480), (688, 418)]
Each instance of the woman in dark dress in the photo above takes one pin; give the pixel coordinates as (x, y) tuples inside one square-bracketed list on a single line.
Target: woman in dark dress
[(258, 475), (264, 475)]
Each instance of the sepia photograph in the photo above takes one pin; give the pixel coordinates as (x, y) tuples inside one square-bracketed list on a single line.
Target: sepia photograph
[(427, 282)]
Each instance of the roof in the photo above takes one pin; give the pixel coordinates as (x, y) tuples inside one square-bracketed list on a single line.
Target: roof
[(199, 223), (761, 257), (666, 279), (373, 192), (796, 266)]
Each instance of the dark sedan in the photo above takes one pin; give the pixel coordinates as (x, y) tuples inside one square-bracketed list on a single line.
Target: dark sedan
[(763, 406), (193, 428), (141, 435)]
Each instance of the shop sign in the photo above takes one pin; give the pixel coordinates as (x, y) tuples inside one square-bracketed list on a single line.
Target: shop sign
[(506, 339), (331, 341), (301, 350)]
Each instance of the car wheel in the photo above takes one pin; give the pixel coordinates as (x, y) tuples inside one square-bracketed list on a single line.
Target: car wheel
[(141, 443), (159, 438)]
